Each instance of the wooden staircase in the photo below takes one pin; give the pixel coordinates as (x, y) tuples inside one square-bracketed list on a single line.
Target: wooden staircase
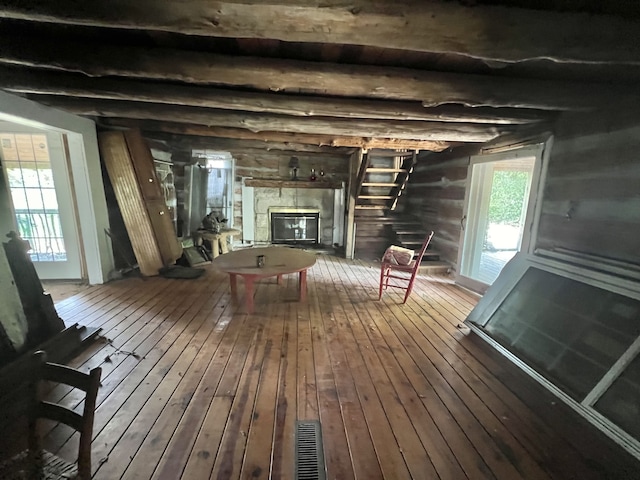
[(382, 178)]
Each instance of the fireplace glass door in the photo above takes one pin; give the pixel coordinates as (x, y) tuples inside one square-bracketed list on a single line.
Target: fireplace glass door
[(295, 228)]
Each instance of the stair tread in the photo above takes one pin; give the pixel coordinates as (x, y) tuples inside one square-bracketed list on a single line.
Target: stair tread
[(380, 184), (386, 170), (376, 197)]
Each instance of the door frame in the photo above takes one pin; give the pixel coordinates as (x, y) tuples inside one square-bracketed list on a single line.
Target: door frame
[(84, 160), (529, 234)]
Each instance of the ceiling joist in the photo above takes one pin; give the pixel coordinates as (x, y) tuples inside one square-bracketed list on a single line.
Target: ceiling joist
[(255, 122), (495, 33), (291, 76), (269, 137), (42, 82)]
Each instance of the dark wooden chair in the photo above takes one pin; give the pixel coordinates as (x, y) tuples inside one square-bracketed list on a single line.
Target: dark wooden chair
[(37, 463), (403, 275)]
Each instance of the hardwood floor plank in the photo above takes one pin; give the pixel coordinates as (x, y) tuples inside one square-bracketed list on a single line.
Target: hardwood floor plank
[(118, 366), (335, 443), (195, 443), (364, 458), (282, 461), (257, 461), (164, 409), (195, 388), (368, 364), (230, 456), (380, 329), (115, 415)]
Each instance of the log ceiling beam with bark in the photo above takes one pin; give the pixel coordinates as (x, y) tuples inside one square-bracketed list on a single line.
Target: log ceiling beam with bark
[(407, 129), (187, 143), (268, 137), (39, 82), (494, 33), (294, 76)]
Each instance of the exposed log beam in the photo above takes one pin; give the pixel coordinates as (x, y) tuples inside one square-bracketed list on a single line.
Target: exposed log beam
[(189, 142), (431, 88), (30, 81), (487, 32), (407, 129), (269, 136), (245, 146)]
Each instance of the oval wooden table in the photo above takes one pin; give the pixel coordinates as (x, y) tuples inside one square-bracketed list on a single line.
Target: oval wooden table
[(278, 261)]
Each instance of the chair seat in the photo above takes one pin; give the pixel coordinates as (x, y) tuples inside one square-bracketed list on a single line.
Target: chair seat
[(401, 268), (48, 467)]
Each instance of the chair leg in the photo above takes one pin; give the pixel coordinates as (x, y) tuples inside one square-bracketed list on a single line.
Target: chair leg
[(381, 282), (409, 288)]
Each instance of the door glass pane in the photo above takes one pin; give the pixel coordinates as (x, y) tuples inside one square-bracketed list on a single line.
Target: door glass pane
[(35, 203), (621, 402), (497, 210), (570, 332)]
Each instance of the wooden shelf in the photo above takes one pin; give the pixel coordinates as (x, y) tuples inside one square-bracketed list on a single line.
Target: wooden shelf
[(273, 183)]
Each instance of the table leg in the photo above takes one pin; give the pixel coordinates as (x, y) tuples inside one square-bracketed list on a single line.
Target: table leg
[(248, 291), (303, 285), (223, 244), (234, 284)]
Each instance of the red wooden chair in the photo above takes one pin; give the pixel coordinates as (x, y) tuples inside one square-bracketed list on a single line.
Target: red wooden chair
[(404, 275)]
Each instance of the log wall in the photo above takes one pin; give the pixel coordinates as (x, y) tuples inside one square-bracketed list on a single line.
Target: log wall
[(252, 162), (591, 200), (435, 194)]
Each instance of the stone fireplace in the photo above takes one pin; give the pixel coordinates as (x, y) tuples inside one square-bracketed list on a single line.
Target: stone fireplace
[(319, 211)]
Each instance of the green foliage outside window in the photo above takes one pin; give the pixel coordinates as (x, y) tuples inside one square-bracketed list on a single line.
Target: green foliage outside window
[(509, 188)]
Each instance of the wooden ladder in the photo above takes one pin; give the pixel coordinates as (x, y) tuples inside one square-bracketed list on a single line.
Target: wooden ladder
[(382, 178)]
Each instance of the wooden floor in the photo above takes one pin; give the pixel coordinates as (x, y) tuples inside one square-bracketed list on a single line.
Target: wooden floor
[(194, 388)]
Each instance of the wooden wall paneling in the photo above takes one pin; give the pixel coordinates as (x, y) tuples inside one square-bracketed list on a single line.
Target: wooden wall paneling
[(116, 157), (590, 201), (436, 193), (140, 154)]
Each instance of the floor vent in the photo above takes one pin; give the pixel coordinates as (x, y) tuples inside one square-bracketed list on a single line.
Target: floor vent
[(309, 454)]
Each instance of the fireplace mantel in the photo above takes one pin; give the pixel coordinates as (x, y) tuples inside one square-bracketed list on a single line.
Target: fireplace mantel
[(274, 183)]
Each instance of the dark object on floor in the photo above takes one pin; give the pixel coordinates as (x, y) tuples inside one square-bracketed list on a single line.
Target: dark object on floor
[(177, 271), (196, 256)]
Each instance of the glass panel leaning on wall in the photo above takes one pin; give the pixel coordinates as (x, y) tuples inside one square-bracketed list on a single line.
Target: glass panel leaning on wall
[(576, 330)]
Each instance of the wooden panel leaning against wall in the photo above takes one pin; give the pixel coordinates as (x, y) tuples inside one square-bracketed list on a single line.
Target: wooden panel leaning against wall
[(591, 202)]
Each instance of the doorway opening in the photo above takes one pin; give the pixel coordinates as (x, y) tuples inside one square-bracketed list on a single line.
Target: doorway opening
[(498, 213), (210, 185)]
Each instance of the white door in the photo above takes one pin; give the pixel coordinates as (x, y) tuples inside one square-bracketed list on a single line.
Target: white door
[(498, 214), (35, 168)]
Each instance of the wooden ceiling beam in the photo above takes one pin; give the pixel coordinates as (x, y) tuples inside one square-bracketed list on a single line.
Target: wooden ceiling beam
[(495, 33), (269, 136), (407, 129), (39, 82), (292, 76), (188, 142)]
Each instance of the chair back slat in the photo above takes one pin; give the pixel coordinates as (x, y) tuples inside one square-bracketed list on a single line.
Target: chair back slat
[(54, 372), (58, 413), (423, 249)]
